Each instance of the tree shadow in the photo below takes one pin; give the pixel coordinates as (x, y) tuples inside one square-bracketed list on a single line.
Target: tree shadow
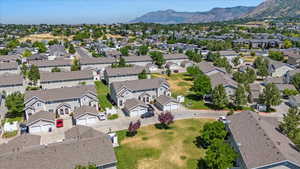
[(200, 143), (162, 126), (201, 164)]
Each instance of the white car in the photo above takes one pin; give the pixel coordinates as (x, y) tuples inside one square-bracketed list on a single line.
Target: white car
[(222, 119)]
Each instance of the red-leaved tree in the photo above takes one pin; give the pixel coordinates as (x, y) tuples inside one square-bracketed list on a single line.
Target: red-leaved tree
[(133, 127), (165, 119)]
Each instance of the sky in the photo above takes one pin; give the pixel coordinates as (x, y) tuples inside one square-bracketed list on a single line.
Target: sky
[(99, 11)]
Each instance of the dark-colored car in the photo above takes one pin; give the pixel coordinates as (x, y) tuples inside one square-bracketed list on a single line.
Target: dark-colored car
[(147, 115), (150, 108), (23, 128)]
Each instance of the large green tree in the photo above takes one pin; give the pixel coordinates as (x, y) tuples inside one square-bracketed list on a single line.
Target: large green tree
[(296, 81), (270, 96), (212, 131), (76, 65), (219, 97), (202, 85), (143, 50), (240, 98), (15, 105), (290, 123), (158, 58), (34, 74)]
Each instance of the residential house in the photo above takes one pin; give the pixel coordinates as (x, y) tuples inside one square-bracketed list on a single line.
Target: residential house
[(51, 80), (10, 83), (81, 146), (209, 69), (294, 101), (174, 67), (60, 101), (176, 58), (9, 67), (82, 53), (255, 91), (48, 65), (224, 79), (123, 74), (41, 121), (146, 90), (138, 60), (278, 69), (135, 108), (57, 51), (230, 55), (96, 63), (293, 58), (259, 143), (166, 103), (288, 77), (86, 115)]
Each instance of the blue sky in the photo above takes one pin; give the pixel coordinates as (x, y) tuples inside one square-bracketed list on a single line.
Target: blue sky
[(99, 11)]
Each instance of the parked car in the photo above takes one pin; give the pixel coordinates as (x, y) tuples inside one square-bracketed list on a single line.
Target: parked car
[(59, 123), (147, 115), (222, 119), (150, 108), (23, 128), (102, 117)]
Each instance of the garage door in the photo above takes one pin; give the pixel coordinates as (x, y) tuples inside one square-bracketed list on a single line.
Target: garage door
[(167, 108), (81, 121), (134, 113), (174, 106), (46, 128), (91, 120), (35, 129)]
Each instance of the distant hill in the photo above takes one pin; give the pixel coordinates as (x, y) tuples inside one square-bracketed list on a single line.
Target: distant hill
[(173, 17), (276, 8)]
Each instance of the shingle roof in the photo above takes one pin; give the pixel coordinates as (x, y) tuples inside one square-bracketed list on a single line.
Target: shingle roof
[(281, 87), (83, 110), (138, 59), (175, 56), (66, 76), (259, 141), (41, 115), (136, 85), (51, 63), (134, 70), (163, 100), (9, 66), (88, 147), (60, 93), (133, 103), (101, 60), (206, 67), (11, 79), (19, 143), (220, 78), (274, 80)]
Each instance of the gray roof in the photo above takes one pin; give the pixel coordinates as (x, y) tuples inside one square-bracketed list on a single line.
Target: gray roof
[(66, 76), (37, 56), (175, 56), (9, 58), (57, 50), (206, 67), (133, 70), (145, 58), (101, 60), (51, 63), (87, 147), (61, 93), (83, 52), (164, 100), (274, 80), (281, 87), (296, 98), (137, 85), (41, 115), (259, 141), (78, 112), (224, 79), (133, 103), (11, 79), (293, 72), (9, 66)]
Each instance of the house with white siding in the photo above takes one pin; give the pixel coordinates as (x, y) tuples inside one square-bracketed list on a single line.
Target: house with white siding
[(278, 69), (10, 83), (9, 67)]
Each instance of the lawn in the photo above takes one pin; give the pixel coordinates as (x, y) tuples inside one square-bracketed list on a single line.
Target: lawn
[(102, 92), (181, 84), (154, 148)]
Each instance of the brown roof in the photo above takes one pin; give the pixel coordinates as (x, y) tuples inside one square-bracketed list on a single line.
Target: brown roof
[(18, 143), (84, 110), (88, 147), (138, 59), (11, 79), (224, 79), (41, 115), (136, 85), (163, 100), (206, 67), (51, 63), (9, 66), (133, 70), (133, 103), (66, 76), (101, 60), (61, 93), (175, 56), (259, 141)]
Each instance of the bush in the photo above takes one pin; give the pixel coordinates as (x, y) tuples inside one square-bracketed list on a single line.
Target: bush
[(113, 116), (9, 134)]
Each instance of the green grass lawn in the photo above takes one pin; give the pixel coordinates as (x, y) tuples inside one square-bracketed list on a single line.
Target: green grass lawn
[(154, 148), (18, 119), (103, 91)]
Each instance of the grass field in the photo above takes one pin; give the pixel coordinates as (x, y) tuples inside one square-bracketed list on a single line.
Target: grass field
[(103, 91), (44, 36), (154, 148)]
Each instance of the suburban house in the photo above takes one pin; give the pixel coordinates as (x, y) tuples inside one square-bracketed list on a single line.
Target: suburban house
[(224, 79), (274, 80), (48, 65), (123, 74), (57, 51), (176, 58), (293, 58), (85, 115), (96, 63), (10, 83), (135, 108), (294, 101), (60, 101), (81, 146), (230, 55), (174, 67), (82, 53), (146, 90), (208, 68), (278, 69), (255, 91), (9, 67), (41, 121), (50, 80), (138, 60), (259, 143), (166, 103), (288, 77)]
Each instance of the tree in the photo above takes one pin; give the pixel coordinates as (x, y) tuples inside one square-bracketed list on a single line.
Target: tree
[(202, 85), (86, 167), (194, 71), (143, 50), (276, 55), (240, 97), (290, 123), (223, 62), (72, 49), (15, 105), (262, 66), (122, 62), (165, 119), (12, 44), (56, 69), (143, 75), (219, 97), (26, 53), (289, 92), (41, 46), (236, 61), (220, 155), (168, 72), (270, 96), (34, 74), (296, 81), (212, 131), (124, 51), (194, 56), (158, 58), (133, 127), (76, 65), (287, 44), (24, 69)]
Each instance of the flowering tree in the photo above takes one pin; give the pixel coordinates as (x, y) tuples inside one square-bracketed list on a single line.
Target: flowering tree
[(165, 119), (133, 127)]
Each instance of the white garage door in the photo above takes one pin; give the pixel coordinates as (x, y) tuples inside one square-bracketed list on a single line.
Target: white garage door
[(81, 121), (35, 129), (91, 120), (46, 128), (167, 108), (174, 106), (134, 113)]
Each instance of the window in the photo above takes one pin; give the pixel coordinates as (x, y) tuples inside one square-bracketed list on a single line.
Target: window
[(61, 111), (67, 111), (121, 102), (50, 110), (29, 114), (38, 104)]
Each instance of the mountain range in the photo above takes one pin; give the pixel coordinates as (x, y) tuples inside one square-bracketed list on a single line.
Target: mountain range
[(269, 8)]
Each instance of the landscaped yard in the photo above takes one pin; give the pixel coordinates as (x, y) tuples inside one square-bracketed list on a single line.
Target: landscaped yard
[(103, 91), (154, 148), (181, 83)]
